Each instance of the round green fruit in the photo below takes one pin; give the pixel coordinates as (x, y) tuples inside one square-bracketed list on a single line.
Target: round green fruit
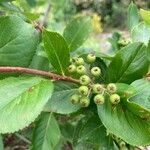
[(83, 90), (98, 88), (84, 101), (81, 69), (114, 99), (75, 99), (72, 68), (85, 80), (91, 58), (99, 99), (96, 71), (79, 61), (111, 88)]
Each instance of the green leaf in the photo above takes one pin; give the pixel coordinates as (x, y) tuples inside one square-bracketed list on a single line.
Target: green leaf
[(92, 132), (1, 143), (142, 97), (22, 100), (129, 64), (46, 134), (145, 15), (77, 31), (124, 124), (60, 100), (133, 16), (57, 50), (141, 33), (6, 0), (18, 42)]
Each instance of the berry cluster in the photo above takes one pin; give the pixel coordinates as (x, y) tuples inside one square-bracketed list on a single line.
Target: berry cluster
[(88, 86)]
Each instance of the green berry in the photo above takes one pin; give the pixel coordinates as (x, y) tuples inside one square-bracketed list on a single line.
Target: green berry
[(83, 90), (79, 61), (91, 58), (75, 99), (81, 69), (85, 80), (99, 99), (84, 101), (72, 68), (122, 144), (98, 88), (114, 99), (111, 88), (96, 71)]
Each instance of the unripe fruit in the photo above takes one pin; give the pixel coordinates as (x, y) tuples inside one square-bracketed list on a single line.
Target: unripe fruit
[(75, 99), (84, 101), (98, 88), (79, 61), (72, 68), (111, 88), (114, 99), (96, 71), (83, 90), (91, 58), (99, 99), (85, 80), (81, 69)]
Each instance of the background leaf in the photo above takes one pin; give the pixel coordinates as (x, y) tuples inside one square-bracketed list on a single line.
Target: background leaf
[(60, 100), (141, 33), (57, 50), (18, 42), (46, 134), (133, 16), (77, 31), (129, 64), (22, 100), (1, 143), (145, 15)]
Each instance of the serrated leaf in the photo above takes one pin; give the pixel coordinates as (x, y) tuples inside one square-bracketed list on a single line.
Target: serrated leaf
[(46, 134), (92, 132), (133, 16), (141, 33), (142, 97), (22, 100), (145, 15), (60, 100), (18, 42), (77, 31), (129, 64), (57, 50), (124, 120)]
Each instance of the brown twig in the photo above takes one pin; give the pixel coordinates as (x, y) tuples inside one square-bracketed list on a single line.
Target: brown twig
[(148, 76), (38, 72)]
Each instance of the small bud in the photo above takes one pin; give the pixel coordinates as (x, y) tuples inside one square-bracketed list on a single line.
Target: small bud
[(96, 71), (79, 61), (91, 58), (114, 99), (83, 90), (84, 101), (72, 68), (111, 88), (98, 88), (81, 69), (85, 80), (74, 99), (99, 99)]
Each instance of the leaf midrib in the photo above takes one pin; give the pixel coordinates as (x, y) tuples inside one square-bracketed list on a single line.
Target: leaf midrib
[(123, 72)]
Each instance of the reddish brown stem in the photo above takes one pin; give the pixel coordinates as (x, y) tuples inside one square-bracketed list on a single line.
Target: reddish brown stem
[(38, 72)]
